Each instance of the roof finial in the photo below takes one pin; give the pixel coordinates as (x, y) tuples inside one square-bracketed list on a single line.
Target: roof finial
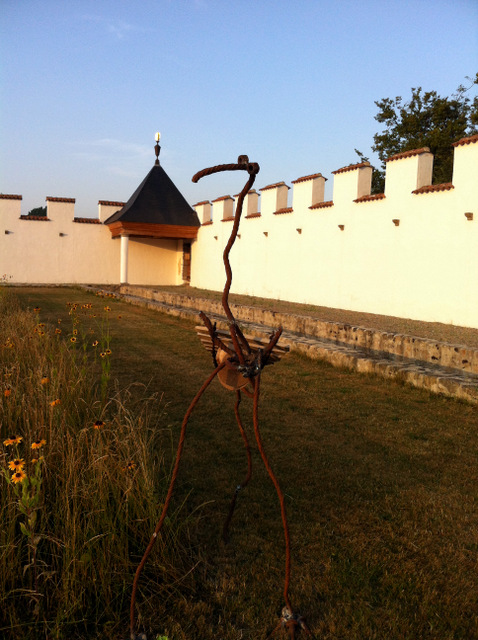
[(157, 148)]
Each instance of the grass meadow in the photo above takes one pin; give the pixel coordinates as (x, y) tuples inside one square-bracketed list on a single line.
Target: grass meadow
[(381, 485)]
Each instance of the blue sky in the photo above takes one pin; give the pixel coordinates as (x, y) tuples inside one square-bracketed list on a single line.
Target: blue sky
[(85, 85)]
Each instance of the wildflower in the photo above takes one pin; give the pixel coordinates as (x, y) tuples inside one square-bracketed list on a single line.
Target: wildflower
[(38, 444), (44, 380), (59, 320), (54, 403), (108, 352), (119, 317), (7, 393), (130, 466), (107, 309), (34, 460), (95, 343), (75, 332), (58, 331), (19, 476), (36, 309), (41, 325), (103, 354), (12, 440), (17, 464), (73, 339), (99, 424)]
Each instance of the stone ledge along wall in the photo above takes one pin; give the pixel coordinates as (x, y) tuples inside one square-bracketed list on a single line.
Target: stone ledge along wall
[(411, 252)]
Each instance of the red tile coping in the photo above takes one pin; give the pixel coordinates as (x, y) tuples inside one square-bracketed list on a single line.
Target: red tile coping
[(375, 196), (198, 204), (87, 220), (468, 140), (228, 219), (41, 218), (204, 224), (6, 196), (445, 186), (305, 178), (408, 154), (322, 205), (273, 186), (284, 210), (51, 199), (253, 215), (109, 203), (251, 191), (352, 167), (223, 198)]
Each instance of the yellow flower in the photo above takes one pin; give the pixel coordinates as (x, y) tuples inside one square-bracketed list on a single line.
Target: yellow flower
[(19, 476), (73, 339), (36, 309), (107, 309), (54, 403), (99, 424), (95, 343), (34, 460), (38, 444), (44, 380), (108, 352), (103, 354), (130, 466), (17, 464), (75, 332), (12, 440), (58, 331)]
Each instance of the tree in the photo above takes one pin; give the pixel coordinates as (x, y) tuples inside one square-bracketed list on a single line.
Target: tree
[(38, 211), (426, 120)]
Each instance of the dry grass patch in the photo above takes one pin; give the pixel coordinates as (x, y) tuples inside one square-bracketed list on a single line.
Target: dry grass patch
[(380, 481)]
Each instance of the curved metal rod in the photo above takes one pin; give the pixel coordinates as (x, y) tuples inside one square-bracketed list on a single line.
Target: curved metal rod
[(169, 494), (243, 485), (253, 169)]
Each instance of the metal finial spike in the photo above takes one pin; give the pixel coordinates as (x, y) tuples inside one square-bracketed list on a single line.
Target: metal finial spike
[(157, 148)]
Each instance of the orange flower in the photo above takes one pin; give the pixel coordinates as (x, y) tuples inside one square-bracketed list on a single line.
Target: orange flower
[(7, 393), (36, 309), (17, 464), (44, 380), (54, 403), (130, 466), (38, 444), (12, 440), (99, 424), (95, 343), (19, 476), (58, 331), (107, 309)]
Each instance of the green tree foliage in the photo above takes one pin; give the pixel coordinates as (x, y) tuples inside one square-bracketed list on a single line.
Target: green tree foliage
[(426, 120), (38, 211)]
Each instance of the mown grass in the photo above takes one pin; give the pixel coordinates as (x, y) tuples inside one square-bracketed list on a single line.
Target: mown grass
[(380, 481)]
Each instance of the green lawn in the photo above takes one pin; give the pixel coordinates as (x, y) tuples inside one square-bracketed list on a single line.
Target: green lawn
[(381, 484)]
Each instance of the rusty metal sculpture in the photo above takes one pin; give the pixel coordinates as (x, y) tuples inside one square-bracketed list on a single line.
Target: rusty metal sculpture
[(238, 363)]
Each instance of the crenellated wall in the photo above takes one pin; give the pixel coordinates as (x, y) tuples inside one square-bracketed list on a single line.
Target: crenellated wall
[(61, 248), (410, 252)]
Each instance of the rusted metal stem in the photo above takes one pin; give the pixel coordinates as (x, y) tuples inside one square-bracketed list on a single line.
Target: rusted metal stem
[(243, 485)]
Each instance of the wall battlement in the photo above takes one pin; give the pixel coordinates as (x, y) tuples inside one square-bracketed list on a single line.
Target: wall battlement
[(407, 174)]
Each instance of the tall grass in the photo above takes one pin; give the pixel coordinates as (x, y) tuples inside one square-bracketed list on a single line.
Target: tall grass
[(90, 480)]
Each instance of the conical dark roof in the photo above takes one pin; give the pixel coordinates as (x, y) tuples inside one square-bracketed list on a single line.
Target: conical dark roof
[(157, 200)]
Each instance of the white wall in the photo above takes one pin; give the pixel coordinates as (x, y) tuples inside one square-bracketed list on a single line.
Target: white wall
[(424, 268), (62, 250)]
